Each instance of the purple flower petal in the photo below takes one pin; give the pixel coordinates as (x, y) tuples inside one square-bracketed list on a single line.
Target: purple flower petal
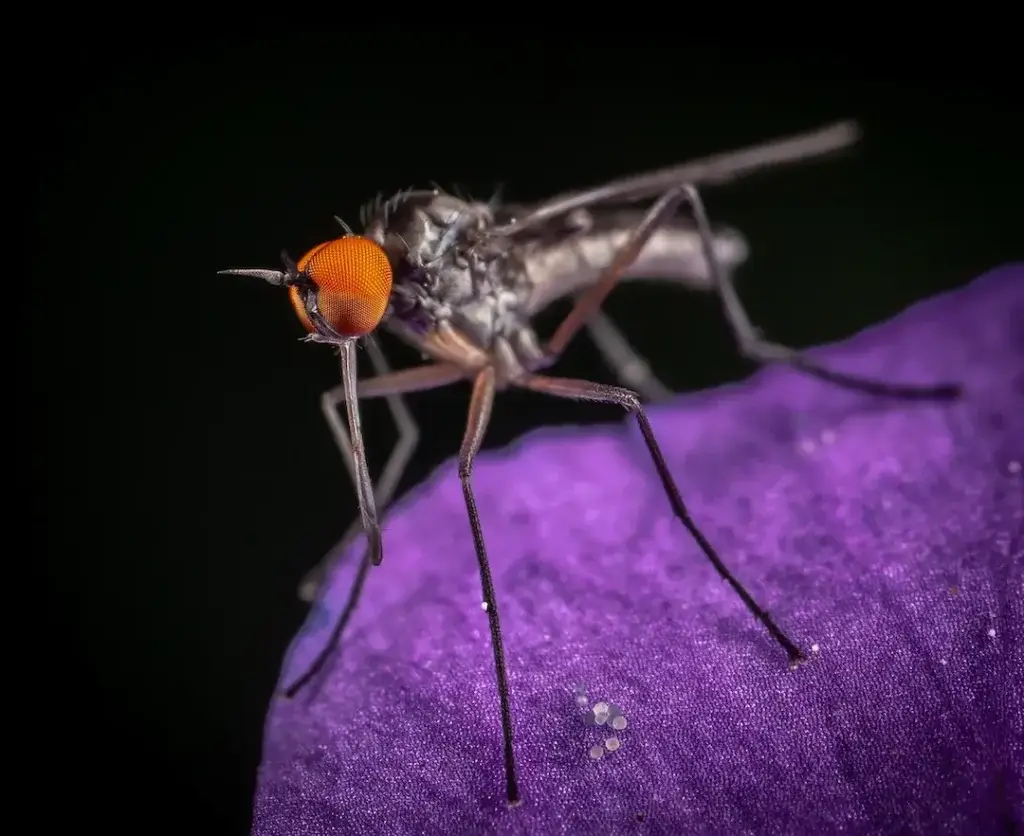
[(886, 536)]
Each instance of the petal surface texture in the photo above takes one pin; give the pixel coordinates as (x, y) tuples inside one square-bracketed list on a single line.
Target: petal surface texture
[(884, 536)]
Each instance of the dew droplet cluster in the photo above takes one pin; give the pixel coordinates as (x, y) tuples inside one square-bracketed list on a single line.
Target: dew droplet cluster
[(605, 715)]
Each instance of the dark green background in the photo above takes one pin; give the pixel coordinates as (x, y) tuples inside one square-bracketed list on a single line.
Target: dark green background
[(183, 475)]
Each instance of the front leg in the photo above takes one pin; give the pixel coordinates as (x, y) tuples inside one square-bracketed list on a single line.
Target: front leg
[(391, 386)]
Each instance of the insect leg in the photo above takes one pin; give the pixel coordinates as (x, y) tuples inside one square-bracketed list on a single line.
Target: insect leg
[(317, 665), (590, 300), (384, 487), (357, 452), (632, 370), (476, 426), (582, 390), (748, 339), (391, 385), (753, 346), (394, 386)]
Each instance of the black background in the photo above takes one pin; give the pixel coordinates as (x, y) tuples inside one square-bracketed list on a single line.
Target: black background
[(184, 478)]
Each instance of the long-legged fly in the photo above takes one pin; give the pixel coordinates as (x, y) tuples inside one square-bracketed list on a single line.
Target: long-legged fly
[(461, 280)]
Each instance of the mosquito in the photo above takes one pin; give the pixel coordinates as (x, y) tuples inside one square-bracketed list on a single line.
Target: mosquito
[(461, 280)]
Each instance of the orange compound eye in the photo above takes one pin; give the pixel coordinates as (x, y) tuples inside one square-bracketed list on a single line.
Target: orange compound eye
[(353, 281)]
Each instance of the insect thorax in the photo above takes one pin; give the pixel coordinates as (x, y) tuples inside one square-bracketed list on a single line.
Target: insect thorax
[(441, 272)]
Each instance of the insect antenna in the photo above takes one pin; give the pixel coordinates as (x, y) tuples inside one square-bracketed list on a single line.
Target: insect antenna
[(341, 222)]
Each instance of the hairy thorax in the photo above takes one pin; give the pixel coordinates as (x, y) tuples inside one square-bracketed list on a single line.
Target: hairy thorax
[(464, 297)]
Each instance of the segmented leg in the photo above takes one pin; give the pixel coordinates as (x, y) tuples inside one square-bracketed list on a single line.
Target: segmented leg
[(748, 339), (630, 368), (479, 417), (385, 486), (588, 304), (582, 390), (390, 385), (753, 346)]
